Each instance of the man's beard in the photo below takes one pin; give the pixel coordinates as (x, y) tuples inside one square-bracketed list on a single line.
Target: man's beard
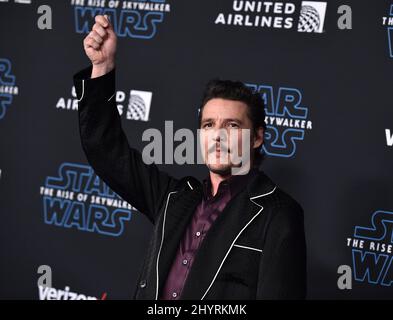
[(222, 171)]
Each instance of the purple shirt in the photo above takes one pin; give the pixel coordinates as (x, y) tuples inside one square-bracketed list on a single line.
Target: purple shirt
[(203, 218)]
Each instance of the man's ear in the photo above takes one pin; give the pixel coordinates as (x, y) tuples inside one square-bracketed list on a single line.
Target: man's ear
[(258, 138)]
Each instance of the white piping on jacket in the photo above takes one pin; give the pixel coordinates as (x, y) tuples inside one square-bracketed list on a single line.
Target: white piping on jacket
[(245, 247), (111, 96), (83, 90), (162, 240), (238, 235)]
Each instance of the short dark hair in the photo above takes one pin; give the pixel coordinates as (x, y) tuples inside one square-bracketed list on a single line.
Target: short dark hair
[(238, 91)]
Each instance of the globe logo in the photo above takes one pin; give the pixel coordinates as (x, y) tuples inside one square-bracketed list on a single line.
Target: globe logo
[(309, 20), (136, 108)]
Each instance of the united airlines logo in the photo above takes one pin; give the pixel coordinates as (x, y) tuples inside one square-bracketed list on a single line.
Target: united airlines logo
[(139, 105), (287, 119), (7, 86), (134, 105), (310, 16), (372, 250), (388, 22), (77, 198), (134, 19)]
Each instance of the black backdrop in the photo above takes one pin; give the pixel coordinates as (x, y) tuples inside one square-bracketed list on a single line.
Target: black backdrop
[(339, 170)]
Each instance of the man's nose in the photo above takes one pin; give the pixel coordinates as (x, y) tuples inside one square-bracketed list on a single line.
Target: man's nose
[(220, 135)]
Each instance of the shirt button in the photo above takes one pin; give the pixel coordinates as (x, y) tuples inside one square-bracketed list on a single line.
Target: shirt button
[(174, 294), (198, 234), (142, 284), (185, 261)]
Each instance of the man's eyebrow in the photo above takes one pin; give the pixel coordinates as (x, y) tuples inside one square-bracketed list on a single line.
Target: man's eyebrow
[(207, 119), (224, 120), (233, 119)]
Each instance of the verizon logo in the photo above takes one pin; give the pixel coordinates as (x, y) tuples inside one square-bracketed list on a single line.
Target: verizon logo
[(48, 293)]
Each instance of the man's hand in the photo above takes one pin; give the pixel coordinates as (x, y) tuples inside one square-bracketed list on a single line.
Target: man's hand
[(100, 46)]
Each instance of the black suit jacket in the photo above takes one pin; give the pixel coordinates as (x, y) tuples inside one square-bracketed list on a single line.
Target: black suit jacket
[(255, 249)]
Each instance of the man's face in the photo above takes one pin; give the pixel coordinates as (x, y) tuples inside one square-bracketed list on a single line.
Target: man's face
[(222, 124)]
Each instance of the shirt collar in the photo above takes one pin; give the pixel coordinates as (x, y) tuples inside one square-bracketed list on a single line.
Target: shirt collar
[(233, 184)]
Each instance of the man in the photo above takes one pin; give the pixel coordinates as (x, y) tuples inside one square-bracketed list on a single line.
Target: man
[(230, 237)]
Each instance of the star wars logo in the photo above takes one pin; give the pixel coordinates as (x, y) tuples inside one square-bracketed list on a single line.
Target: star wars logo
[(134, 19), (388, 22), (286, 119), (7, 86), (372, 248), (77, 198)]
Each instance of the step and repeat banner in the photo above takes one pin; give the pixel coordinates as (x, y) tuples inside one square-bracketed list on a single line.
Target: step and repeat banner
[(324, 69)]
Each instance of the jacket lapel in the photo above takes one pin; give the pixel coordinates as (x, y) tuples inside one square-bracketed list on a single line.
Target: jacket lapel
[(181, 207), (229, 225)]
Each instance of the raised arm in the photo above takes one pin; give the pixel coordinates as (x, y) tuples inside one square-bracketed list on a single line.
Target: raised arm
[(105, 144)]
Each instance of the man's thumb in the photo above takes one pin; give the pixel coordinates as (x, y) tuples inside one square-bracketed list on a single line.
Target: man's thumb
[(109, 22)]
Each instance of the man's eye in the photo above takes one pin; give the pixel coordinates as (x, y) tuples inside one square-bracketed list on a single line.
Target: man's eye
[(207, 125), (233, 125)]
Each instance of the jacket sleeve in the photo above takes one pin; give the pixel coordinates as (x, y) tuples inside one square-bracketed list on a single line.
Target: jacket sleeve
[(107, 149), (282, 271)]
